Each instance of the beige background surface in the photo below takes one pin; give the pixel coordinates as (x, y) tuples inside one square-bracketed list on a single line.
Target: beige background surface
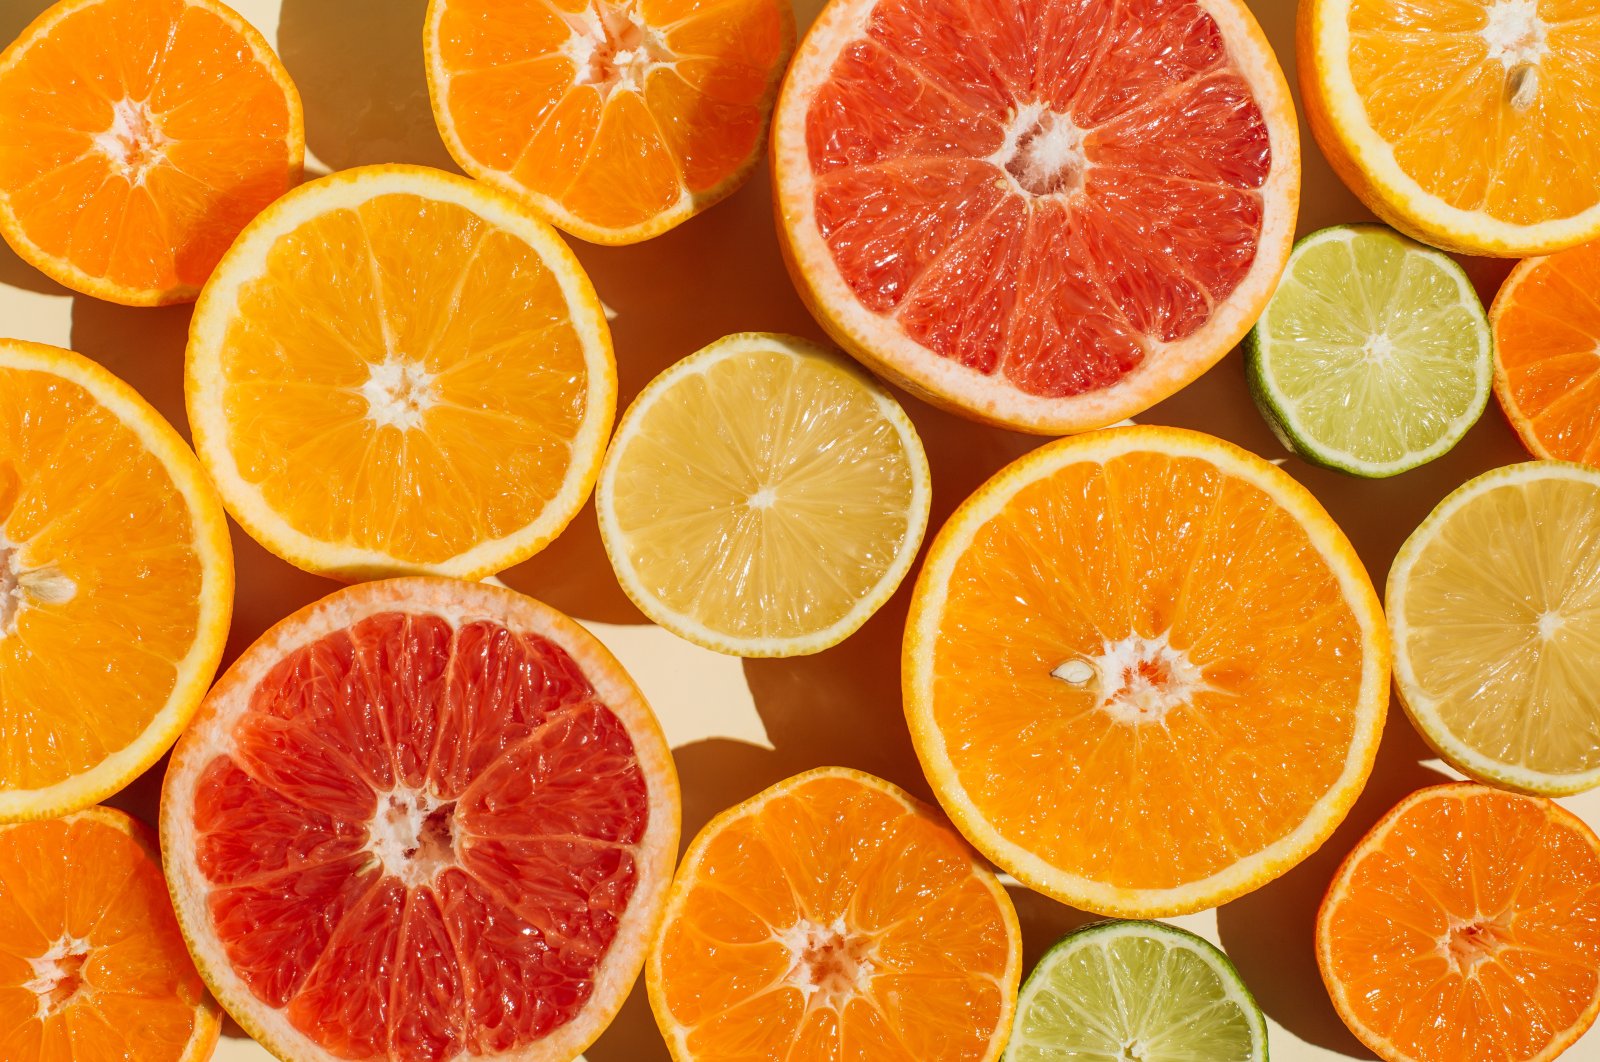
[(738, 726)]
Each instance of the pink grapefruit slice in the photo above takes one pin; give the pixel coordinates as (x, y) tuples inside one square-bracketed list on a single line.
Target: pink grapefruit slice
[(422, 820), (1043, 214)]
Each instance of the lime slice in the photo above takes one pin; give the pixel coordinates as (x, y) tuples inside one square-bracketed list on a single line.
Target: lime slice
[(1374, 356), (1117, 991), (1494, 607)]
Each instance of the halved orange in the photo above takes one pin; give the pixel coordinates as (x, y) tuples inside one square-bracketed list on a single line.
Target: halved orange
[(833, 917), (615, 119), (1144, 671), (400, 370), (91, 962), (1466, 928), (137, 137), (1546, 322), (116, 582)]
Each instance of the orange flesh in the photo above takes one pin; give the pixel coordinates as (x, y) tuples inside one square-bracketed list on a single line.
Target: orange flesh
[(1470, 930), (669, 98), (138, 137), (1430, 72), (85, 922), (99, 542), (839, 921), (1547, 345), (431, 357), (1205, 757)]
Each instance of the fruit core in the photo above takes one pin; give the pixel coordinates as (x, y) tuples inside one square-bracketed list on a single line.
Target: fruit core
[(1136, 680), (1043, 152), (829, 963), (1471, 944), (20, 587), (134, 143), (58, 974), (612, 48), (412, 835), (398, 392), (1518, 38)]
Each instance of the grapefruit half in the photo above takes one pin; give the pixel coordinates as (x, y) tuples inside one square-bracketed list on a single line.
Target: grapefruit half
[(422, 820), (1047, 215)]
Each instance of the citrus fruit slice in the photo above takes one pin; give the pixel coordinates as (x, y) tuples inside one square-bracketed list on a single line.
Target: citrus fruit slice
[(1044, 216), (833, 916), (1144, 671), (422, 820), (1374, 355), (616, 119), (1495, 607), (137, 137), (763, 497), (116, 582), (91, 963), (1546, 323), (399, 370), (1464, 124), (1466, 928), (1113, 991)]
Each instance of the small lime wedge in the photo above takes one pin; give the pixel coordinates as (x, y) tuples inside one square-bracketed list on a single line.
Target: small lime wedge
[(1375, 354), (1115, 991)]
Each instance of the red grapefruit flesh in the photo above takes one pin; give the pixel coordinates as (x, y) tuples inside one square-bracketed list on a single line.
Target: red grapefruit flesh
[(1047, 214), (422, 820)]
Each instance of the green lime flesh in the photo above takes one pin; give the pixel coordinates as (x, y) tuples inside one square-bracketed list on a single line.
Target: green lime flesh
[(1136, 992), (1374, 356)]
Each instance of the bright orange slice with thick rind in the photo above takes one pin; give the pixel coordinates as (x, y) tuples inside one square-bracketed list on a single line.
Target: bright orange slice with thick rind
[(116, 582), (1465, 123), (615, 119), (399, 370), (1546, 322), (137, 137), (833, 916), (422, 820), (1466, 928), (1043, 216), (1144, 670), (91, 962)]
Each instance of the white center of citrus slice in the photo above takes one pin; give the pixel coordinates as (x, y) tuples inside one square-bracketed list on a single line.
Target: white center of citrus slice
[(412, 834), (1137, 680), (1515, 33), (828, 963), (398, 392), (612, 47), (1043, 152), (1468, 945), (58, 974), (20, 587), (134, 143)]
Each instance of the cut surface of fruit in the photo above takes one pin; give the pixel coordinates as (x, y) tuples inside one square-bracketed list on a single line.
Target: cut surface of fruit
[(1047, 216), (137, 137), (615, 119), (1466, 928), (116, 582), (398, 370), (1495, 607), (834, 917), (422, 820), (1374, 355), (1546, 323), (1462, 122), (763, 497), (1144, 671), (1115, 991), (91, 962)]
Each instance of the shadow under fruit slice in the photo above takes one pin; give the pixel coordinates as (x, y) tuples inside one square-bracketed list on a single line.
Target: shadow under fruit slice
[(1466, 928), (91, 962), (834, 917), (1047, 216), (116, 582), (422, 820), (137, 137), (1144, 671)]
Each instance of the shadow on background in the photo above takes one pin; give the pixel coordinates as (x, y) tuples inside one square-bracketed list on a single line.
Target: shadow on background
[(15, 16), (16, 273)]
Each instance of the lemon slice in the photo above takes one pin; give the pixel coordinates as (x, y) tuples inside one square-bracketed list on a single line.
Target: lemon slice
[(1495, 607), (763, 497)]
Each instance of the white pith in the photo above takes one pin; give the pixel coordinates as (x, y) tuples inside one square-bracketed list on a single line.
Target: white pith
[(22, 587), (398, 391), (613, 48), (396, 836), (134, 144), (1124, 691), (1515, 33), (836, 987), (61, 962), (1042, 155)]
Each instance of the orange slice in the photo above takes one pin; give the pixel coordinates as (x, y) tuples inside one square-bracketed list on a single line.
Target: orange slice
[(1546, 323), (1466, 928), (1144, 671), (137, 137), (615, 119), (1465, 123), (834, 917), (421, 820), (116, 582), (91, 962), (399, 370)]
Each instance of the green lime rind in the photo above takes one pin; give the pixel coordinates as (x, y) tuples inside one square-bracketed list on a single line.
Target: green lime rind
[(1374, 356), (1132, 989)]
